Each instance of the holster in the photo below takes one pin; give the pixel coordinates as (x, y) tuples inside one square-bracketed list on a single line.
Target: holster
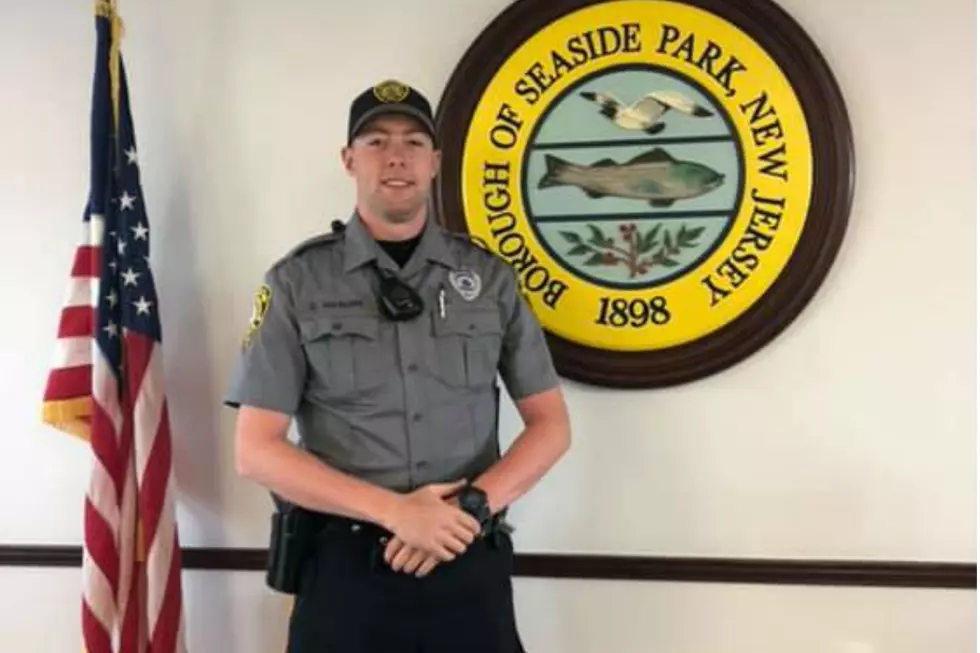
[(290, 543)]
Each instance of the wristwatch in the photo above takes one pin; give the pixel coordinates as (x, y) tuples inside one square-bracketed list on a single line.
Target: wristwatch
[(473, 501)]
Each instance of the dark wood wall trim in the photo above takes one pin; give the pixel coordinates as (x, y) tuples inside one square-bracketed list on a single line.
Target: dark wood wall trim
[(871, 573)]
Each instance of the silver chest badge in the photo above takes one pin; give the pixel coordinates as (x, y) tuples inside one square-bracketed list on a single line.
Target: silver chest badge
[(466, 283)]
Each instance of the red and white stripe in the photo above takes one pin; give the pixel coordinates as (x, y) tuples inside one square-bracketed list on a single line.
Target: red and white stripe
[(131, 566)]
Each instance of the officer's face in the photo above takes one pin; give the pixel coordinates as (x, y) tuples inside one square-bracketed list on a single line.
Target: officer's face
[(394, 163)]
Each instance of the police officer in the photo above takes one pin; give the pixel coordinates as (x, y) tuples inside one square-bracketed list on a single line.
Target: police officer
[(384, 339)]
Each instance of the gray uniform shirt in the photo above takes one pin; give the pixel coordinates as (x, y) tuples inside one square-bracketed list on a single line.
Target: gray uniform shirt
[(399, 404)]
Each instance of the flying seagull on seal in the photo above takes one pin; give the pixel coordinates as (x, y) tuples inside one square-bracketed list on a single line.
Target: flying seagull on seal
[(646, 113)]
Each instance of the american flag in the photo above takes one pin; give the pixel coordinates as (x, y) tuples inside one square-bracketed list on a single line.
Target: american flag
[(106, 385)]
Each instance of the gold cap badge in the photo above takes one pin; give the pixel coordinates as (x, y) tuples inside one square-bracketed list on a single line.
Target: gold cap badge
[(391, 90)]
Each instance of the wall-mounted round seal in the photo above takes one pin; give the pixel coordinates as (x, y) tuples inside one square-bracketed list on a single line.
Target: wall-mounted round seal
[(671, 180)]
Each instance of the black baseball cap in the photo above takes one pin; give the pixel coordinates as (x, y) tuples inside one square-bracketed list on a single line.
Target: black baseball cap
[(389, 96)]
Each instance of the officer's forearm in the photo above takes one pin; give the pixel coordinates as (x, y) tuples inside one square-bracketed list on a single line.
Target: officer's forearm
[(545, 439), (266, 457), (301, 478)]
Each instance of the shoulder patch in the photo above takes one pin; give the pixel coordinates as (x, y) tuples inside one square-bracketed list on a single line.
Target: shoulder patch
[(259, 309)]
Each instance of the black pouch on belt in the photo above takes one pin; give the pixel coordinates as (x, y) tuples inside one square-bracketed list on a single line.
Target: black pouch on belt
[(289, 545)]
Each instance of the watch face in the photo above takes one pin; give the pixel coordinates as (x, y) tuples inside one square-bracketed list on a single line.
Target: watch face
[(470, 498), (473, 501)]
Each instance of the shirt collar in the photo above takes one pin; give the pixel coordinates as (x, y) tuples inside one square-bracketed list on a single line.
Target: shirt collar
[(361, 248)]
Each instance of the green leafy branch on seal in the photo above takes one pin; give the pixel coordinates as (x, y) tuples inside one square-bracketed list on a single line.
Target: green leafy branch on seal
[(635, 252)]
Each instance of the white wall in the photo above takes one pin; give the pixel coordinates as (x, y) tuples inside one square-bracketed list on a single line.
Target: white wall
[(240, 110)]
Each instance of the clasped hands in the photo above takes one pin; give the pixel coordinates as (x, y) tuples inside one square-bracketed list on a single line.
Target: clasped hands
[(429, 528)]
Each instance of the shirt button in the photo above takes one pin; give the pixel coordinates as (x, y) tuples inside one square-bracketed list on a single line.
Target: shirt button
[(412, 367), (417, 417)]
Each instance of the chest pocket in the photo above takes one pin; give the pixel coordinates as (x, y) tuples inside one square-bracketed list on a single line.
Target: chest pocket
[(344, 353), (466, 346)]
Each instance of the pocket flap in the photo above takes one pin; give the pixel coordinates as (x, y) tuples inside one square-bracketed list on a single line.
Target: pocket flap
[(339, 325), (467, 323)]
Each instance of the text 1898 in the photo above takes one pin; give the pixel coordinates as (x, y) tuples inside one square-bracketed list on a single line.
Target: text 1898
[(633, 313)]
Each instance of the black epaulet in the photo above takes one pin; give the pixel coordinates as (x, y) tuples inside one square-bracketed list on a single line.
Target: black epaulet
[(470, 239), (333, 236), (481, 245)]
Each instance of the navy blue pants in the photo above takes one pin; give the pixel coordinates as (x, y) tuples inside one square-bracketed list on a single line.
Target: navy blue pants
[(351, 601)]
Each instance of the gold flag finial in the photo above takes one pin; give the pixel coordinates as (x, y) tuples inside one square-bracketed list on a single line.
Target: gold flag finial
[(108, 9)]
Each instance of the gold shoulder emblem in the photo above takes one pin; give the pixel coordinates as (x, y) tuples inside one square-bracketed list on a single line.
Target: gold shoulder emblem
[(261, 306), (391, 90)]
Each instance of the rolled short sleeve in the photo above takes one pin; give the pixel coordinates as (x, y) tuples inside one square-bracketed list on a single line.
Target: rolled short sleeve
[(270, 371), (526, 366)]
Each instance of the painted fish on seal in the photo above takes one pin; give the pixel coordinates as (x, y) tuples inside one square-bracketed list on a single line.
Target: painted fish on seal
[(654, 176)]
